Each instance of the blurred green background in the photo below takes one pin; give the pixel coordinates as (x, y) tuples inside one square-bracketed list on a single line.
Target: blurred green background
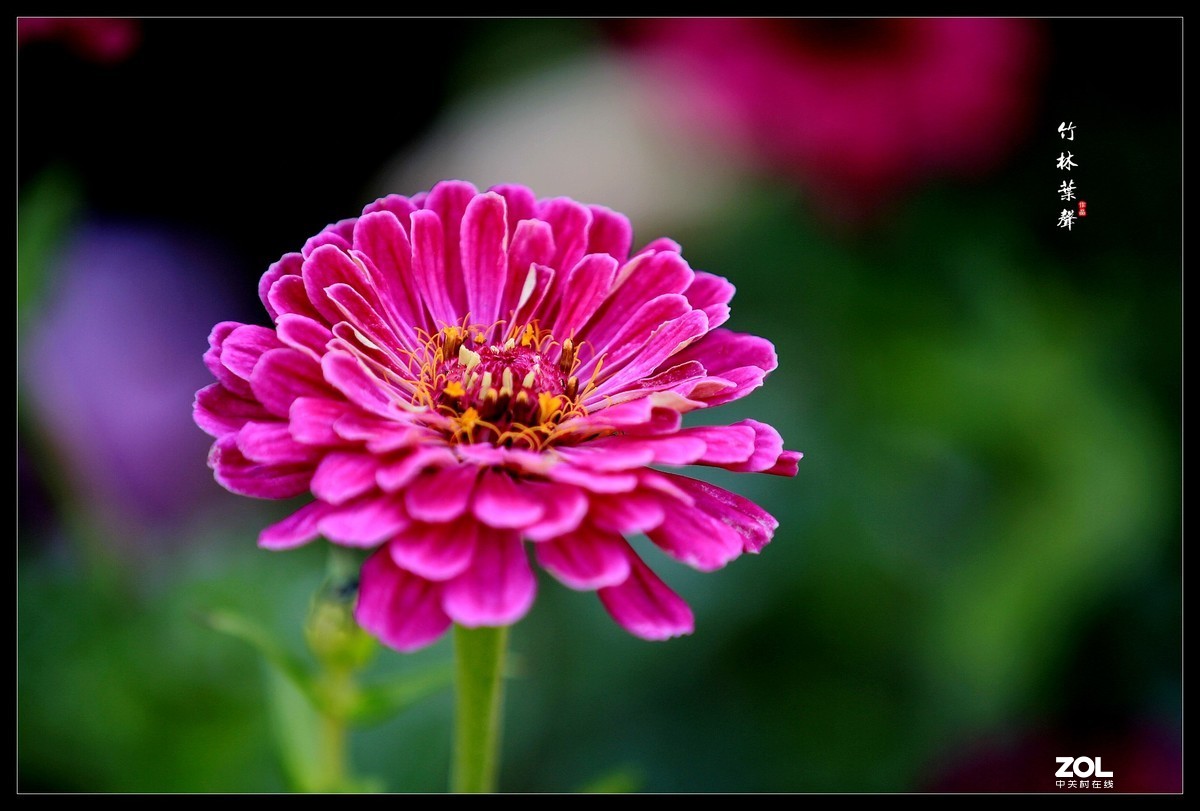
[(977, 569)]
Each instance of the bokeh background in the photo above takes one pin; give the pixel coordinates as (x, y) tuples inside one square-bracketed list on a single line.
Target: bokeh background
[(978, 568)]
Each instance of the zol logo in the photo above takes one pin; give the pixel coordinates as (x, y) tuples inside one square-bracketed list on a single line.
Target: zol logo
[(1080, 767)]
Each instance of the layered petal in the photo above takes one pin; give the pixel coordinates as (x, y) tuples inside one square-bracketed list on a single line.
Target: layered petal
[(401, 608), (586, 559), (645, 606), (497, 589)]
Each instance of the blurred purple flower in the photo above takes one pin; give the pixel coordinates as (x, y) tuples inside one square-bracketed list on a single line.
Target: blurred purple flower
[(106, 40), (854, 107), (110, 363)]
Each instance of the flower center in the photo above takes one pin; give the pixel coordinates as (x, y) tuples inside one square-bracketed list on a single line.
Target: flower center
[(512, 393)]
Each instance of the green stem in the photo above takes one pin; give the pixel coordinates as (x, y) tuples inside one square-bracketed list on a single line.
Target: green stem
[(332, 756), (479, 654)]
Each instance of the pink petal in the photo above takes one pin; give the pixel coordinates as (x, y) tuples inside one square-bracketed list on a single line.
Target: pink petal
[(403, 610), (519, 201), (219, 412), (621, 417), (335, 235), (484, 249), (663, 343), (503, 503), (395, 474), (237, 473), (288, 295), (766, 447), (429, 267), (400, 207), (382, 236), (365, 522), (271, 443), (645, 606), (282, 375), (723, 350), (342, 475), (288, 265), (592, 480), (303, 333), (498, 587), (515, 459), (442, 495), (739, 382), (661, 244), (532, 244), (586, 559), (712, 294), (212, 359), (538, 283), (381, 435), (754, 525), (311, 419), (607, 457), (787, 465), (242, 348), (327, 266), (695, 537), (449, 200), (640, 280), (631, 336), (682, 380), (610, 233), (627, 514), (570, 222), (563, 508), (728, 446), (348, 376), (296, 530), (366, 320), (393, 381), (584, 289), (436, 551), (741, 359)]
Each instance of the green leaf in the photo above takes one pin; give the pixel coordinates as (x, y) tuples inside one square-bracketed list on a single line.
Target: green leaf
[(47, 208), (296, 728), (282, 661), (381, 701)]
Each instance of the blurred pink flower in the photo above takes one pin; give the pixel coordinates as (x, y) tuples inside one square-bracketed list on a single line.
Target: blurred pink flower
[(855, 107), (453, 374), (102, 39)]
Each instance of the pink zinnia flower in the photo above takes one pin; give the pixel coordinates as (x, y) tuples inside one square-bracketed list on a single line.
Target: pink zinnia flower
[(453, 374), (858, 107)]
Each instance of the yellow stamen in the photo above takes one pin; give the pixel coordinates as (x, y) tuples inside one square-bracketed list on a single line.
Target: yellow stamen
[(467, 422), (547, 405), (454, 389)]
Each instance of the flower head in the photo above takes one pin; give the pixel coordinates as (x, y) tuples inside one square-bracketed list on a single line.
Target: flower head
[(455, 374)]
